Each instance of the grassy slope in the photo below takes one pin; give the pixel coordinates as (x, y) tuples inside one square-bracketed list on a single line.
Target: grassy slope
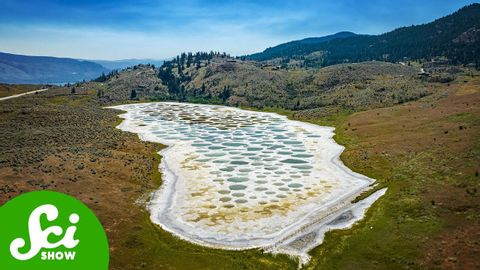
[(428, 154)]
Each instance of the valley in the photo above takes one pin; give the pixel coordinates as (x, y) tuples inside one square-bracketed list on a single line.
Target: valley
[(420, 147), (341, 151)]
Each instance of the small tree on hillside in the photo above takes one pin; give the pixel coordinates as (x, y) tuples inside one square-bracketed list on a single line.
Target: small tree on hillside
[(133, 94), (101, 78), (225, 93)]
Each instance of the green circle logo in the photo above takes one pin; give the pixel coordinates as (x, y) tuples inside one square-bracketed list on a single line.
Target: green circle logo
[(50, 230)]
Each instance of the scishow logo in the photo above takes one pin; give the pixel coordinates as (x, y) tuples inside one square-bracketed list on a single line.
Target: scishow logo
[(50, 230), (39, 237)]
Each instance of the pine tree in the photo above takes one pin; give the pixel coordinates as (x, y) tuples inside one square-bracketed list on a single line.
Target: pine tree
[(189, 59), (133, 94), (225, 93), (179, 70)]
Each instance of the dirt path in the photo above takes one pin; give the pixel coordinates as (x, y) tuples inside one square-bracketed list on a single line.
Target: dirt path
[(22, 94)]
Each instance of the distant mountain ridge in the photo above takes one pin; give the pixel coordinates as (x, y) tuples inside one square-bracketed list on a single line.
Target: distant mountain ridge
[(456, 37), (45, 69), (286, 49)]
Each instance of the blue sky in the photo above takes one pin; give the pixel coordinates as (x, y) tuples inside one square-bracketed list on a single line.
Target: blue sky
[(160, 29)]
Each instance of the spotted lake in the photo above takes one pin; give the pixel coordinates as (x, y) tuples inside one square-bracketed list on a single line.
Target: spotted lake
[(241, 179)]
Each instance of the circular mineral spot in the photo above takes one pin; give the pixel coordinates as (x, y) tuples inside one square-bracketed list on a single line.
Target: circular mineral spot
[(237, 179), (293, 161), (237, 187), (218, 154), (233, 144), (221, 161), (241, 201), (238, 162), (302, 167), (261, 181), (199, 144), (302, 156), (292, 142)]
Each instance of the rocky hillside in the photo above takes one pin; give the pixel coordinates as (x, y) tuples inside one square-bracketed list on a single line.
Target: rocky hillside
[(138, 82), (344, 87), (222, 80)]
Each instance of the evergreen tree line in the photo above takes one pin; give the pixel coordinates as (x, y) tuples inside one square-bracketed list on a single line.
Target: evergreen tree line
[(172, 74), (186, 60), (104, 78), (422, 42)]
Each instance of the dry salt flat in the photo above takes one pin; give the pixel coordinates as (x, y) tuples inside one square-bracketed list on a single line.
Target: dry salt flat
[(238, 179)]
